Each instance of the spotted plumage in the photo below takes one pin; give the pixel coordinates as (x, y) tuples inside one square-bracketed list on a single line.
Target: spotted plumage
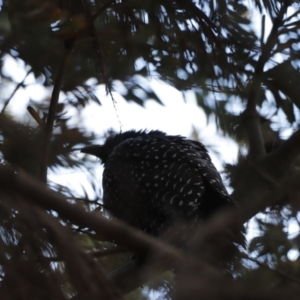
[(151, 180)]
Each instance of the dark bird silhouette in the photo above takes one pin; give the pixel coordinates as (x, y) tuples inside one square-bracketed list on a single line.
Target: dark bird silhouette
[(152, 180)]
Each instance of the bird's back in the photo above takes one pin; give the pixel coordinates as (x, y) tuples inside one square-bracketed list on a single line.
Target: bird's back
[(152, 180)]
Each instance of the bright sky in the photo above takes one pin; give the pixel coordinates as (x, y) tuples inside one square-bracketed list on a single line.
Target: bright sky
[(177, 116)]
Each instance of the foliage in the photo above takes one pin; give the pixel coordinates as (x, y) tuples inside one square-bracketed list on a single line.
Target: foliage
[(236, 56)]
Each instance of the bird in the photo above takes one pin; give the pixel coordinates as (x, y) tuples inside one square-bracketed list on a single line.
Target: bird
[(152, 180)]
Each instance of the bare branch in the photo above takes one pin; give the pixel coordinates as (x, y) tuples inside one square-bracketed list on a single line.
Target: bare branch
[(20, 84), (51, 114)]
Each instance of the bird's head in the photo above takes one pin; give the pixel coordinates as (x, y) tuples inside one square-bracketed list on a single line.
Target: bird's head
[(113, 140)]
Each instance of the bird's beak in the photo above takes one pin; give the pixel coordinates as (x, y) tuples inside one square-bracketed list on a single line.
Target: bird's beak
[(93, 150)]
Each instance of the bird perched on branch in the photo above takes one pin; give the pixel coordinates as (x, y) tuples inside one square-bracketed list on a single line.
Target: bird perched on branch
[(151, 180)]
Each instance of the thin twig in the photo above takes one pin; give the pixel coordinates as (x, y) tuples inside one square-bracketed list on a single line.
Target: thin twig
[(15, 90), (108, 252), (35, 116), (96, 202), (263, 28), (52, 111), (100, 10), (99, 253), (92, 236)]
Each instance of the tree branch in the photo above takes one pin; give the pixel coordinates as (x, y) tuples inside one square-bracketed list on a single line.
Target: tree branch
[(165, 256), (85, 274), (251, 122), (57, 87), (288, 151), (261, 185), (52, 111), (112, 230), (250, 117), (161, 257)]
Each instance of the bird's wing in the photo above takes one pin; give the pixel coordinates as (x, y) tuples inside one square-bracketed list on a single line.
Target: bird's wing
[(206, 167)]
